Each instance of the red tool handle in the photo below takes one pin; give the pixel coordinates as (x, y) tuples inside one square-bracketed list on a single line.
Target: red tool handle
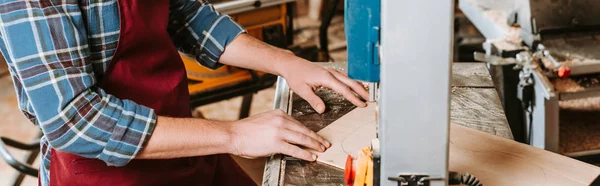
[(564, 72), (349, 171)]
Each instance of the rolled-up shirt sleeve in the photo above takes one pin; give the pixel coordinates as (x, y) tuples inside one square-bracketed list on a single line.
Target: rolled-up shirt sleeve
[(49, 59), (197, 29)]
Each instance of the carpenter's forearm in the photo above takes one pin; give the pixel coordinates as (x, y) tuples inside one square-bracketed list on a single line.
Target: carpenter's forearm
[(186, 137), (247, 52)]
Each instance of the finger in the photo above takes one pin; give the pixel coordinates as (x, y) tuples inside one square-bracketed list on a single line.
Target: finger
[(309, 95), (341, 88), (297, 138), (355, 85), (297, 152), (295, 125)]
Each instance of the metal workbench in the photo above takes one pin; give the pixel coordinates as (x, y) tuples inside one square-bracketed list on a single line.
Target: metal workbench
[(474, 104)]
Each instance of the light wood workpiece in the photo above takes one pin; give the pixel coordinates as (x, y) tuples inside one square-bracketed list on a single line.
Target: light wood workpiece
[(474, 104)]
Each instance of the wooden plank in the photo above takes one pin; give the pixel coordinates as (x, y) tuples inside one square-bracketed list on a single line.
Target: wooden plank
[(494, 160), (497, 161), (471, 75), (348, 135), (479, 109)]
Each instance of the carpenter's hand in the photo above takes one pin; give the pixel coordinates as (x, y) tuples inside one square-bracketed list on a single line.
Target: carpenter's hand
[(304, 78), (274, 132)]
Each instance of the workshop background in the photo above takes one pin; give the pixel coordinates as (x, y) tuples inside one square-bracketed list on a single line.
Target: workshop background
[(238, 91)]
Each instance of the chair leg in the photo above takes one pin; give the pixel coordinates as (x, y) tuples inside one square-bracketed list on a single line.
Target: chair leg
[(246, 103), (30, 159), (32, 156)]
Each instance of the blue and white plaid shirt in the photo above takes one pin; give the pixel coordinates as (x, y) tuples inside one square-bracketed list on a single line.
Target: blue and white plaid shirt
[(58, 50)]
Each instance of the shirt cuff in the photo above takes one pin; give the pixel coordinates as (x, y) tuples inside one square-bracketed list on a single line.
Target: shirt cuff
[(131, 134)]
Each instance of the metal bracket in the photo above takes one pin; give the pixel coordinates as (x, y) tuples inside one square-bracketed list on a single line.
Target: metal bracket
[(523, 59), (493, 59), (414, 180)]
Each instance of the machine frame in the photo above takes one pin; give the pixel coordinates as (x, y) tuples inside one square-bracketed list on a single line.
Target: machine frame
[(416, 43)]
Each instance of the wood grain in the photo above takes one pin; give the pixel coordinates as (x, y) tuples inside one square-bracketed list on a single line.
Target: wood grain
[(479, 109), (471, 75), (312, 173), (497, 161), (474, 101), (494, 160)]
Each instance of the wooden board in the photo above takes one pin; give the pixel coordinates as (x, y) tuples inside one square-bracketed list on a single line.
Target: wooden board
[(494, 160), (497, 161), (348, 135)]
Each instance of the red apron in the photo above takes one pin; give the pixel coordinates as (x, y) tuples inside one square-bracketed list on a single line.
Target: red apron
[(147, 69)]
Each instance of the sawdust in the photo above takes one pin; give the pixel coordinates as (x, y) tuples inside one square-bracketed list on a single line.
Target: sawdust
[(574, 49), (330, 97), (586, 104), (500, 18), (579, 130), (591, 81), (577, 83), (548, 64), (507, 45), (566, 85), (574, 59)]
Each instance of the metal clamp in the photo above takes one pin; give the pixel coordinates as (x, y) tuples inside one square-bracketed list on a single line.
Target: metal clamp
[(415, 180), (522, 59), (494, 60)]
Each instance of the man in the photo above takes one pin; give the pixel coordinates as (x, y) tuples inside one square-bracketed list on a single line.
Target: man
[(103, 80)]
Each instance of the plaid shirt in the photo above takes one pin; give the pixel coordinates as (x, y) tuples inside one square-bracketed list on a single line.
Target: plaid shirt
[(58, 50)]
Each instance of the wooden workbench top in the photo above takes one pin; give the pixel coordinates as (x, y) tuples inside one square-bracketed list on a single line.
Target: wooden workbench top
[(474, 104), (474, 101)]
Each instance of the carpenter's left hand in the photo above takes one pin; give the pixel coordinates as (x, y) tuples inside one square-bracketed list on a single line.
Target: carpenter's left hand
[(305, 77)]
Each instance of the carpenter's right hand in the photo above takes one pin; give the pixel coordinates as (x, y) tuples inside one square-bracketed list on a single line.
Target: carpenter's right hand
[(274, 132)]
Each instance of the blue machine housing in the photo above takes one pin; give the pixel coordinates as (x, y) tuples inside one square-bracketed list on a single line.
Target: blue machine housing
[(362, 21)]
